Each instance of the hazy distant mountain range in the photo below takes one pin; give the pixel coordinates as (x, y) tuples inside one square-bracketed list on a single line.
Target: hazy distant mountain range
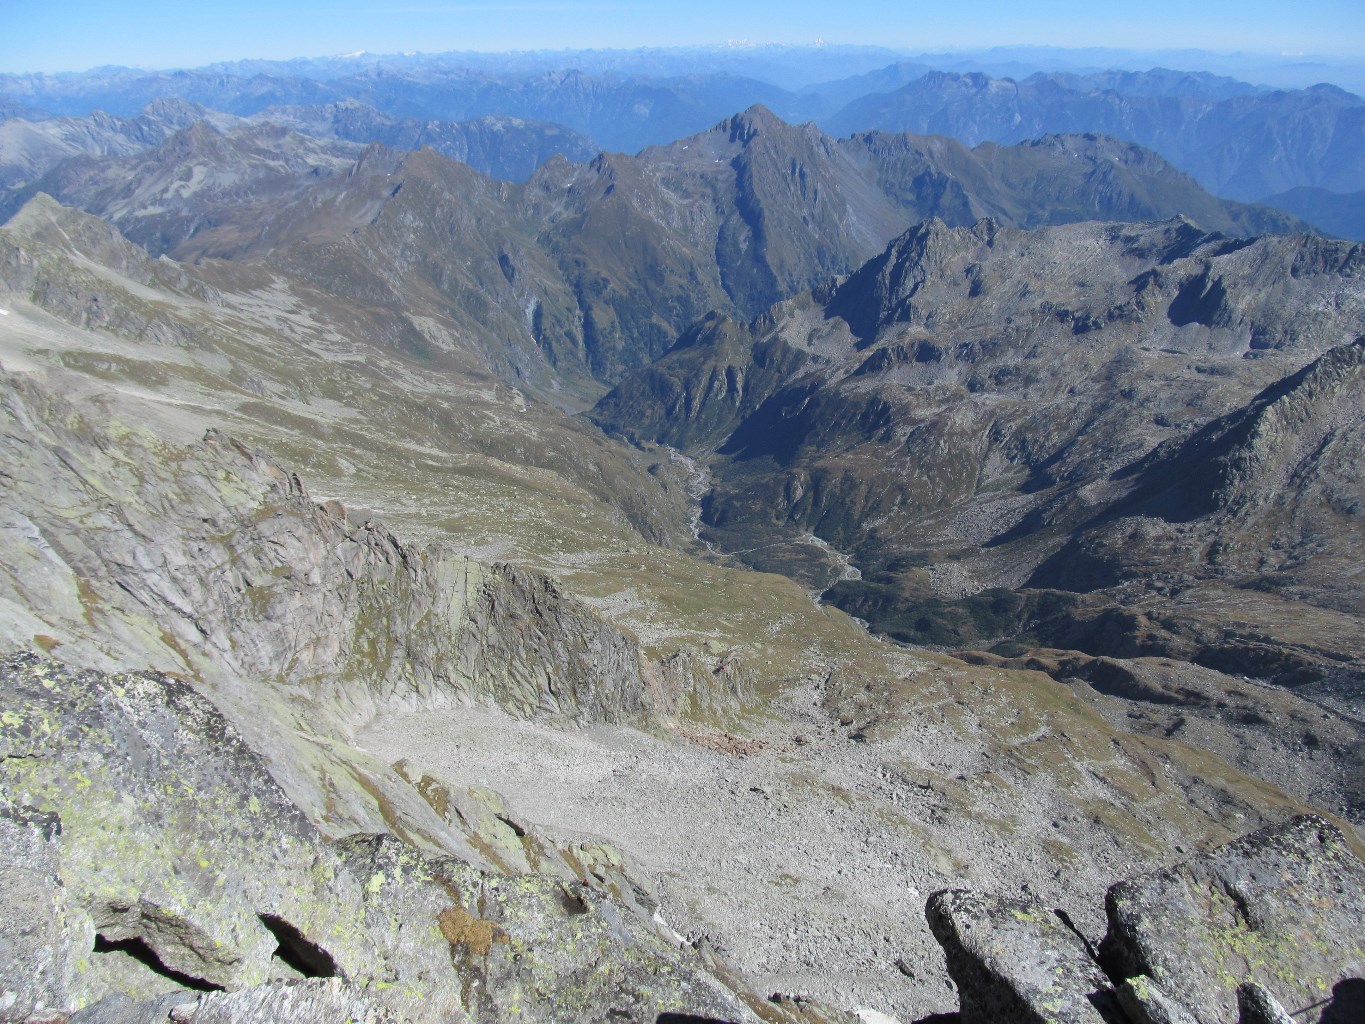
[(1238, 140)]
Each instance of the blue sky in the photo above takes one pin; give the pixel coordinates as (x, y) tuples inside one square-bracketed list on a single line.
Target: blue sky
[(77, 34)]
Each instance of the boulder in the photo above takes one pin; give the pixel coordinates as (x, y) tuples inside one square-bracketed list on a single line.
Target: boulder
[(1014, 960), (1256, 1005), (1281, 907), (1145, 1003)]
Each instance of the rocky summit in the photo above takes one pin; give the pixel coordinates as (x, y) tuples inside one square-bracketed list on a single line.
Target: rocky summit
[(766, 577)]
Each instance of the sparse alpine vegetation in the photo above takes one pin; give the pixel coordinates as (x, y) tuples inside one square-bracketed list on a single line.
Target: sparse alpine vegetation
[(631, 590)]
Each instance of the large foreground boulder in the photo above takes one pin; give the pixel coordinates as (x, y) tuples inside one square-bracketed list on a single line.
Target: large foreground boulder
[(1269, 926), (1283, 907), (1015, 960)]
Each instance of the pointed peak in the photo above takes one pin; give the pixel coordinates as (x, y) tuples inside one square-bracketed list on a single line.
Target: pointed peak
[(173, 108), (40, 209), (379, 159), (196, 137), (753, 122)]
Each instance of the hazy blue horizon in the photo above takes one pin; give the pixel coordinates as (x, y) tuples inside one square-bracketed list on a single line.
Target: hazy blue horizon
[(82, 34)]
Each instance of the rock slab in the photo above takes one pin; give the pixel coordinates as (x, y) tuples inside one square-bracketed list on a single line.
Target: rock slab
[(1014, 960), (1281, 907)]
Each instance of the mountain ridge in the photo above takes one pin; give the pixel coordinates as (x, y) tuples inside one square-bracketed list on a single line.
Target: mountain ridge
[(589, 271), (383, 674)]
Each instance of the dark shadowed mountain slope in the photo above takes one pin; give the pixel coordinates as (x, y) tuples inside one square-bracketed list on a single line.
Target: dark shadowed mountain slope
[(1274, 492), (1056, 179), (963, 403), (1332, 213)]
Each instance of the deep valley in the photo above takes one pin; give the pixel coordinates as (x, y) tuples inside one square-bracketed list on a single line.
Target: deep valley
[(466, 575)]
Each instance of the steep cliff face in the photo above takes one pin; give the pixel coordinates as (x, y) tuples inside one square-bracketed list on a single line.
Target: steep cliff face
[(215, 563)]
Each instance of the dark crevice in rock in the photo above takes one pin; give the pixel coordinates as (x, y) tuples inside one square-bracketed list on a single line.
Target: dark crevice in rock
[(145, 955), (687, 1018), (572, 901), (1065, 918), (307, 958)]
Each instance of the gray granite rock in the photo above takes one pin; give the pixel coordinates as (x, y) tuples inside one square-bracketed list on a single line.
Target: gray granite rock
[(120, 1009), (1257, 1005), (1014, 960), (1281, 906), (1145, 1003), (183, 862), (39, 931), (315, 1001), (149, 856)]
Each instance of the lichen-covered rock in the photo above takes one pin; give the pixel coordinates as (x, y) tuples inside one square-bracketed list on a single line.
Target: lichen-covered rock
[(1281, 906), (1256, 1005), (538, 947), (149, 853), (312, 1001), (1014, 960), (39, 932), (121, 1009), (181, 858), (1144, 1002), (320, 1001)]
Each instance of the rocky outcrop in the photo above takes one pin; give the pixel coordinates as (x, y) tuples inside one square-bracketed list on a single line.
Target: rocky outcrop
[(181, 862), (38, 937), (216, 563), (1145, 1003), (1271, 920), (992, 945), (1255, 1005), (153, 858), (311, 1001), (1281, 907)]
